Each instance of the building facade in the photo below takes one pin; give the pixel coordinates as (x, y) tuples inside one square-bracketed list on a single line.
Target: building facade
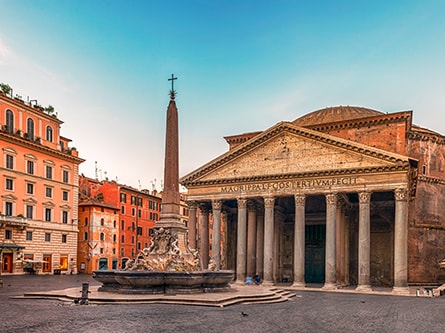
[(39, 191), (114, 223), (341, 196)]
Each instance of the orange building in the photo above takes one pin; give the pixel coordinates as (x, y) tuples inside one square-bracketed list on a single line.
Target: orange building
[(39, 191), (136, 212)]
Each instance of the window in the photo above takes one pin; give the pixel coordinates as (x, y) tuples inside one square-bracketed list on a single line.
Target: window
[(122, 252), (29, 211), (140, 202), (86, 220), (139, 231), (49, 134), (123, 225), (30, 167), (47, 237), (132, 212), (64, 238), (102, 236), (65, 176), (29, 235), (132, 239), (30, 128), (65, 195), (8, 234), (8, 208), (123, 209), (122, 239), (48, 213), (102, 221), (49, 172), (139, 245), (29, 188), (49, 192), (85, 235), (139, 213), (123, 197), (65, 217), (133, 200), (9, 161), (114, 238), (10, 121), (9, 184)]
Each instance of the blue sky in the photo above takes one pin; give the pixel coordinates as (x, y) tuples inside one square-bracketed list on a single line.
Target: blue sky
[(241, 65)]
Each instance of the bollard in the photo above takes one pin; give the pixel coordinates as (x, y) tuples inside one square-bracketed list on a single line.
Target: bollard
[(85, 292)]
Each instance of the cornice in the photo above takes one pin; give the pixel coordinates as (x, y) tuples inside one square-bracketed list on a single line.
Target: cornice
[(431, 180), (39, 147), (426, 136), (364, 122), (302, 132)]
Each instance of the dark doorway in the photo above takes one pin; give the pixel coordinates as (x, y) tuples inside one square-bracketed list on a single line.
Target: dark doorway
[(314, 268)]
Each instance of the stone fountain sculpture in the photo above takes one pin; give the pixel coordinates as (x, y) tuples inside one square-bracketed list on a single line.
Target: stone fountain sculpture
[(168, 265)]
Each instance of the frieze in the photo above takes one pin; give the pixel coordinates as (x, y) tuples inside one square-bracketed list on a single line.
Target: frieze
[(290, 185)]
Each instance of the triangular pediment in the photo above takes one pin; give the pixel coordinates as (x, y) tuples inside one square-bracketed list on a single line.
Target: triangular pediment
[(286, 149)]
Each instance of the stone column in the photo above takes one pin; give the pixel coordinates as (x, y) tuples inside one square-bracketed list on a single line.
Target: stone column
[(192, 224), (224, 240), (364, 241), (269, 204), (331, 211), (299, 241), (340, 239), (401, 242), (251, 239), (203, 226), (260, 241), (347, 246), (241, 245), (216, 233)]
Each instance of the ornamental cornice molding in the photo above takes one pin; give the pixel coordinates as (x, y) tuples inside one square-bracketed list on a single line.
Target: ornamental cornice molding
[(424, 136), (397, 160), (281, 177), (385, 119), (430, 180)]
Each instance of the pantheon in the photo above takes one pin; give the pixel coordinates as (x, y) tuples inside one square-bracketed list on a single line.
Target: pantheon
[(342, 196)]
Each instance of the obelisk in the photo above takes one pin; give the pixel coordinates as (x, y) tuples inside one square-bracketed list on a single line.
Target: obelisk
[(170, 206)]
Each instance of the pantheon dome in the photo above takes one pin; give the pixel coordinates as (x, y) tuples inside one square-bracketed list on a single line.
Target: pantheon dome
[(335, 113)]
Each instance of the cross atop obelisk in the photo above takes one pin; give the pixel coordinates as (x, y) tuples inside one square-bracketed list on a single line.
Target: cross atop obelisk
[(173, 92)]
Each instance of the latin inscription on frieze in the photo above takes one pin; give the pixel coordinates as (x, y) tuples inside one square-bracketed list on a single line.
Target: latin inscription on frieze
[(290, 185)]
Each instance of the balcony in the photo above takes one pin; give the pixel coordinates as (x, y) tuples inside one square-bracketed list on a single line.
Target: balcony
[(13, 221)]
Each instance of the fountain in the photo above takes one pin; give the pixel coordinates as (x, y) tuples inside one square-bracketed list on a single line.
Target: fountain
[(167, 265)]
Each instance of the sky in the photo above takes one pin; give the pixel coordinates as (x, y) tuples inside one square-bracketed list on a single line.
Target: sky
[(242, 66)]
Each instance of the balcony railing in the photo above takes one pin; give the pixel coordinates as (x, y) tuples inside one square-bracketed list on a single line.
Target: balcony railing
[(13, 221)]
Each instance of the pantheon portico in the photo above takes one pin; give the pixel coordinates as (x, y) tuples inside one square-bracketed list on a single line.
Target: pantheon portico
[(313, 201)]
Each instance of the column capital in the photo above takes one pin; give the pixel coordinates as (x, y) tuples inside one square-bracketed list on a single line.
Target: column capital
[(300, 199), (242, 202), (364, 196), (251, 206), (401, 194), (269, 201), (217, 204), (204, 207), (331, 198), (192, 204)]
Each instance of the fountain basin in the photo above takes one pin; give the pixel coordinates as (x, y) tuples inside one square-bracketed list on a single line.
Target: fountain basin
[(164, 282)]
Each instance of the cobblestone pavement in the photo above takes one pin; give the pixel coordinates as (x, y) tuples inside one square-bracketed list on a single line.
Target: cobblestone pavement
[(307, 312)]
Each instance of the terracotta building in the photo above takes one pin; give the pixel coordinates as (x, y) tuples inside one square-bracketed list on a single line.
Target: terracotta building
[(343, 196), (114, 223), (39, 191)]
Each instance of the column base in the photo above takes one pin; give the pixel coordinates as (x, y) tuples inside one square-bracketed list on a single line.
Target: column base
[(298, 284), (267, 283), (400, 291), (363, 287), (329, 286)]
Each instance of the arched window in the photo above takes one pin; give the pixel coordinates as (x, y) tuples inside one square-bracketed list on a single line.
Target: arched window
[(102, 236), (49, 134), (10, 121), (30, 128)]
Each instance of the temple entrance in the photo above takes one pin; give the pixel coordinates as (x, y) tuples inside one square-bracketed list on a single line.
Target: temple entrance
[(314, 268)]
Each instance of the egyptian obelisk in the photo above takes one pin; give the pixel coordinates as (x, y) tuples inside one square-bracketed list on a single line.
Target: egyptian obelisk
[(170, 207)]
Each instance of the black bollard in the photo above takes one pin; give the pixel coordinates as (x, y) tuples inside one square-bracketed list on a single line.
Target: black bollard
[(85, 292)]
